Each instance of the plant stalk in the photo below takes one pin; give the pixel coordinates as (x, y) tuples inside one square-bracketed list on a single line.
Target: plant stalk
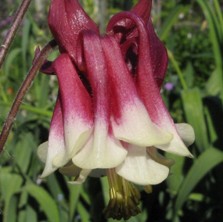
[(4, 47), (38, 62)]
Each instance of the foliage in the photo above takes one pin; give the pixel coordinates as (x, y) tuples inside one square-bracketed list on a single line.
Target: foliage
[(193, 33)]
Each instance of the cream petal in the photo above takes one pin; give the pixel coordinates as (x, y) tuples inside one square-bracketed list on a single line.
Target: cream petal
[(135, 127), (186, 133), (176, 145), (76, 134), (101, 151), (42, 151), (140, 169)]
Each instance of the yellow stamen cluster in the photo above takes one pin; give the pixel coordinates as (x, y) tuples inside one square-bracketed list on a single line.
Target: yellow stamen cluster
[(124, 197)]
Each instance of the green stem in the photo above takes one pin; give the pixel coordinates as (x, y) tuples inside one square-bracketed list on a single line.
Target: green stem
[(31, 109), (177, 68)]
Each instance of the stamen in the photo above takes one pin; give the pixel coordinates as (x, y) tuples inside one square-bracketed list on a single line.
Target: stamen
[(124, 197), (156, 156)]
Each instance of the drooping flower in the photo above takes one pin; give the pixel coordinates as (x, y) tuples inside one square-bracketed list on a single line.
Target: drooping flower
[(109, 118)]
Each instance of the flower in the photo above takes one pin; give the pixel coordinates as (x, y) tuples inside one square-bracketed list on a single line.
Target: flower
[(169, 86), (109, 118)]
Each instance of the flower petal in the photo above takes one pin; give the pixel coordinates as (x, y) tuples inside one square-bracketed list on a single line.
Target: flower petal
[(130, 120), (55, 146), (42, 151), (125, 31), (66, 20), (76, 105), (143, 9), (102, 150), (140, 169), (186, 133), (149, 89)]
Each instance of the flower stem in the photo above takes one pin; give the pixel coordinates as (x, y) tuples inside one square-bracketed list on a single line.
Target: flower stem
[(12, 31), (177, 68), (39, 60)]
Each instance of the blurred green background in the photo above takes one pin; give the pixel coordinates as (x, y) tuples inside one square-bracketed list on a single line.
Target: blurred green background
[(193, 91)]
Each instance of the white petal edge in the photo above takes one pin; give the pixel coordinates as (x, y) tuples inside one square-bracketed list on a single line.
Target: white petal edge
[(176, 145), (140, 169), (53, 149), (186, 133), (42, 151)]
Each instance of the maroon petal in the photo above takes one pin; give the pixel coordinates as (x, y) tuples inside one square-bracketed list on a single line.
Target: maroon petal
[(66, 20), (158, 55), (142, 9), (126, 33)]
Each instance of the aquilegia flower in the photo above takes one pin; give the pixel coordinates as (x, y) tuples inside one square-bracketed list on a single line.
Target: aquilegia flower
[(109, 118)]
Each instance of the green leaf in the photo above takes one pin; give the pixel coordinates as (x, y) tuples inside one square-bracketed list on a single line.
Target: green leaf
[(30, 214), (213, 85), (24, 150), (194, 111), (83, 212), (25, 42), (214, 27), (27, 215), (176, 173), (9, 214), (45, 201), (205, 162), (9, 184), (75, 192), (219, 15), (10, 59)]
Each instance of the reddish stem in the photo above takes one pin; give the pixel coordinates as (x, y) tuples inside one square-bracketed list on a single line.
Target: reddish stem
[(38, 62), (12, 31)]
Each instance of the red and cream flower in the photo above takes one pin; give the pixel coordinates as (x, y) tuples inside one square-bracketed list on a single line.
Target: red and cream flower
[(109, 114)]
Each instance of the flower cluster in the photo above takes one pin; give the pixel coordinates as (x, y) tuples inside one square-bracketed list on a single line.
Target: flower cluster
[(109, 118)]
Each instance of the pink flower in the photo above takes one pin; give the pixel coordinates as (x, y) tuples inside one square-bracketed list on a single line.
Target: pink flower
[(110, 117)]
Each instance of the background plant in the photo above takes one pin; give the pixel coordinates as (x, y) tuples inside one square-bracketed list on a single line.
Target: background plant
[(193, 33)]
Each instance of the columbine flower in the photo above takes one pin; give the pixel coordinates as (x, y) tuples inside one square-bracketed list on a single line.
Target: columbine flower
[(109, 118)]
